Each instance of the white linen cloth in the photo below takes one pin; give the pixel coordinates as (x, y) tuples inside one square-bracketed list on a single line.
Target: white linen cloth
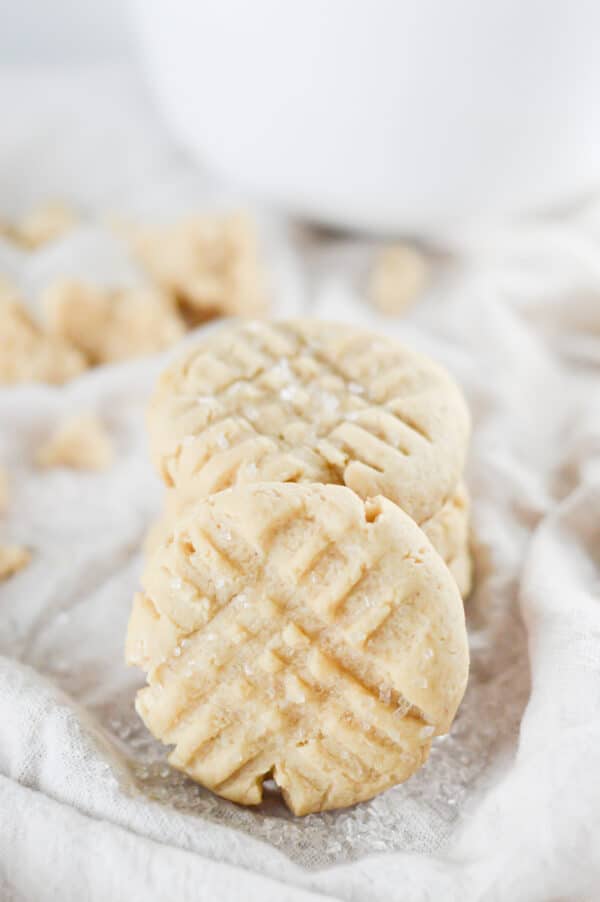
[(508, 806)]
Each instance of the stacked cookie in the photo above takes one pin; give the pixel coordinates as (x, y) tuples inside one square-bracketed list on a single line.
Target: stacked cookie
[(301, 616)]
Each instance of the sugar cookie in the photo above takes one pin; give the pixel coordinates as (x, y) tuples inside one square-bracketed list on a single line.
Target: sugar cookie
[(297, 632), (311, 401)]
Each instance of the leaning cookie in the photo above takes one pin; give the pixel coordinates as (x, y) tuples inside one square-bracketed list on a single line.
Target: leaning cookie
[(448, 532), (461, 568), (299, 633), (311, 401)]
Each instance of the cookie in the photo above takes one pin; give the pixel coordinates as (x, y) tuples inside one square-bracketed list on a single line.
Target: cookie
[(109, 325), (40, 225), (13, 558), (310, 401), (399, 275), (210, 265), (461, 568), (28, 354), (447, 530), (81, 443), (299, 633), (44, 224)]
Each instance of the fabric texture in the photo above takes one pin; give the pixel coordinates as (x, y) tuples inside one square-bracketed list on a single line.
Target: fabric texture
[(508, 806)]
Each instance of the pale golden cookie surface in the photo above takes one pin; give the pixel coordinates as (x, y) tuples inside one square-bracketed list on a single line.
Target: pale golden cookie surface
[(12, 559), (81, 442), (461, 568), (447, 530), (211, 265), (310, 401), (398, 276), (299, 632), (28, 354), (108, 325)]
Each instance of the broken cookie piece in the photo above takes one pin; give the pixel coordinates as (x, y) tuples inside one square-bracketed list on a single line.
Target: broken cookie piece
[(398, 277), (41, 225), (28, 354), (12, 559), (81, 443), (8, 292), (210, 265), (108, 325)]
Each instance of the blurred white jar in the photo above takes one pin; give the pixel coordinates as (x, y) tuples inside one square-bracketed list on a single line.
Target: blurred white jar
[(388, 115)]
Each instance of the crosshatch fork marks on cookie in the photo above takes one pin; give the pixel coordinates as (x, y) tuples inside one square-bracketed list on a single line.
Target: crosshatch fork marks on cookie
[(305, 676), (283, 673), (381, 418)]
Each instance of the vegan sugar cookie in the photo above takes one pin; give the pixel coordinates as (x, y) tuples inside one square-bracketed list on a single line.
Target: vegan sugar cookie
[(310, 401), (299, 633)]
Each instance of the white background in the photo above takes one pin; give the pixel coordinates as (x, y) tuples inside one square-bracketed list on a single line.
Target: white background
[(54, 30)]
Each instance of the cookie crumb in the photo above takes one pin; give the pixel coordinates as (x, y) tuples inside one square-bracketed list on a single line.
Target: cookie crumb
[(110, 325), (27, 353), (209, 264), (43, 224), (81, 443), (398, 277), (12, 559)]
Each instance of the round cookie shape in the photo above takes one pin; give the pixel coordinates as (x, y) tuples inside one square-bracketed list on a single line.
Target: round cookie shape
[(299, 633), (310, 401)]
